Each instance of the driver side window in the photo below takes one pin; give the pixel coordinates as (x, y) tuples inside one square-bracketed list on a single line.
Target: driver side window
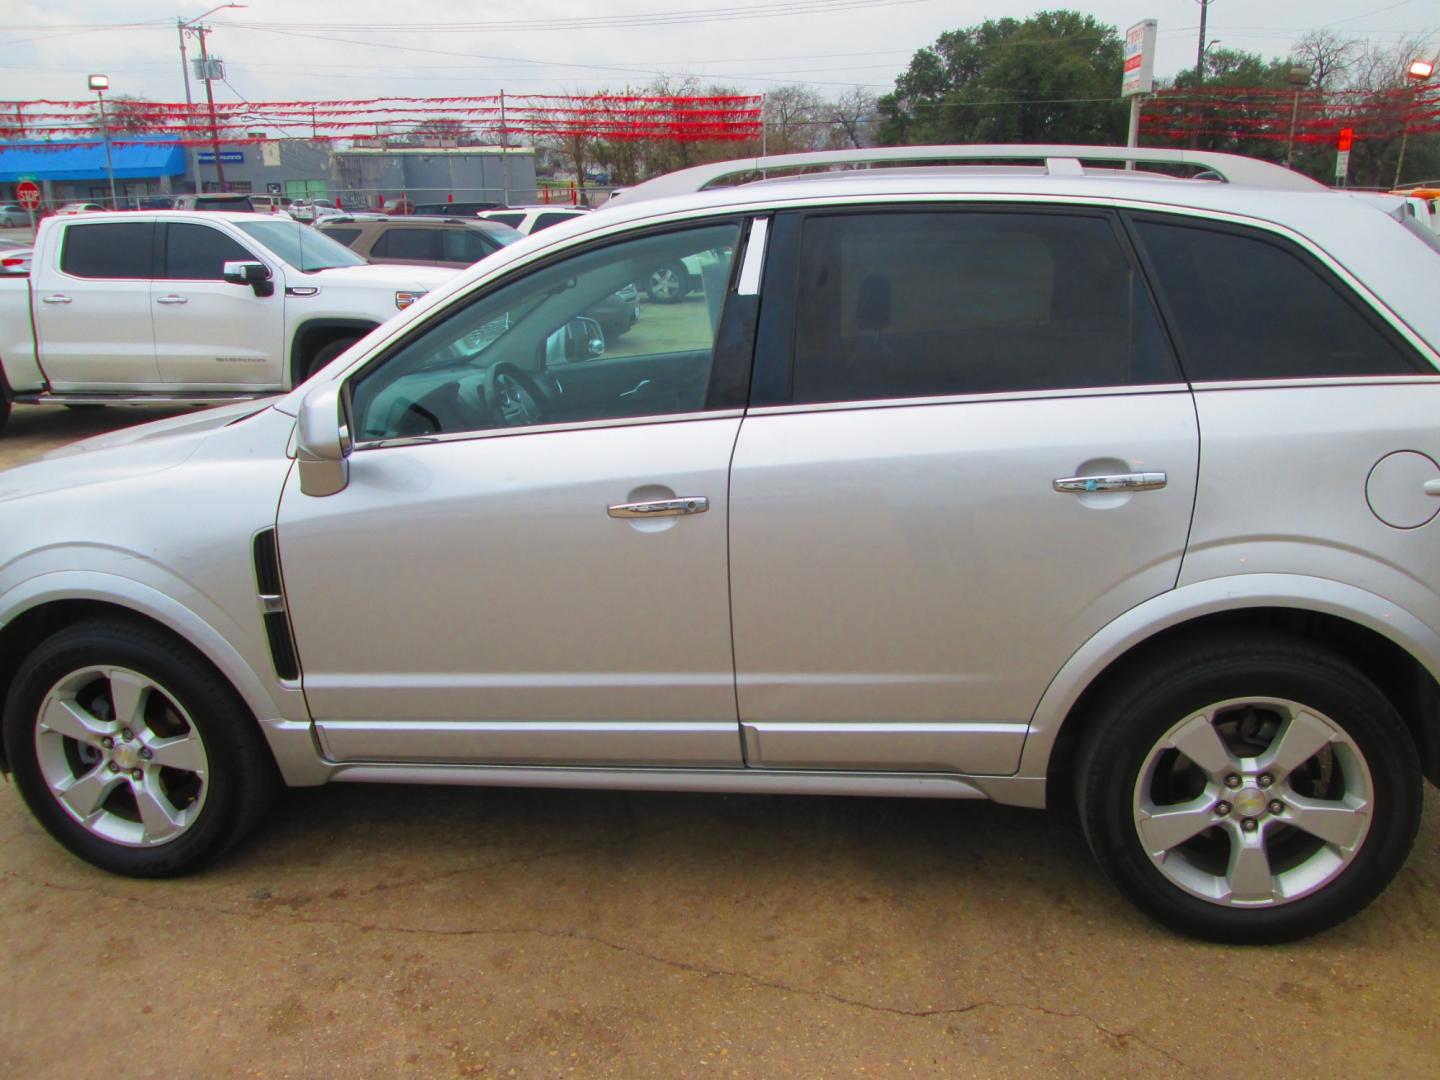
[(577, 340)]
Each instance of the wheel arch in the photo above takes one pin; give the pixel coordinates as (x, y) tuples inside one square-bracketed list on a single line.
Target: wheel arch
[(313, 335), (59, 606), (1387, 644)]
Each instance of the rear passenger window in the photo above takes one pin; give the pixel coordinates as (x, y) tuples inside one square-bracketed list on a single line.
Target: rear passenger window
[(1255, 308), (895, 305), (343, 236), (199, 253), (544, 221), (119, 249), (406, 244), (513, 220)]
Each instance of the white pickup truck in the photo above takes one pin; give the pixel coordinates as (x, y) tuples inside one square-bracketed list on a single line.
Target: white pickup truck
[(186, 307)]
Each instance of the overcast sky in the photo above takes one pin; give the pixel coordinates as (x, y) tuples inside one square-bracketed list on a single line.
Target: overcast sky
[(328, 49)]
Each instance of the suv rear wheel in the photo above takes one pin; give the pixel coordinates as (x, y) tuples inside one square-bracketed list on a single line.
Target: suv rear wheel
[(1250, 789)]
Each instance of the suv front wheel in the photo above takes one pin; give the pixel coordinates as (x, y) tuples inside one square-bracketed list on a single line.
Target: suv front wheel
[(133, 752), (1249, 789)]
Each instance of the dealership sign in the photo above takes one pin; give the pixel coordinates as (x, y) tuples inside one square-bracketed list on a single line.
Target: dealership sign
[(1139, 72), (227, 157)]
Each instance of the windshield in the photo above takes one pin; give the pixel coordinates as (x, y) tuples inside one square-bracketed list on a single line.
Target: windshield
[(301, 246)]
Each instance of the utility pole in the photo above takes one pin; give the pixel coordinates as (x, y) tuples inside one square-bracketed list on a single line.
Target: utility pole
[(1200, 49), (191, 161), (201, 31)]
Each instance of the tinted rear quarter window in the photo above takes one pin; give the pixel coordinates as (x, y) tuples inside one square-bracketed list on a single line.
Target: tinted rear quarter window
[(914, 304), (544, 221), (513, 220), (112, 249), (406, 244), (199, 253), (345, 236), (1256, 307)]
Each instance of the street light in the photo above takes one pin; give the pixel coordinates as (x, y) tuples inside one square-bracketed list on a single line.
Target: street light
[(1418, 73), (101, 83), (182, 26)]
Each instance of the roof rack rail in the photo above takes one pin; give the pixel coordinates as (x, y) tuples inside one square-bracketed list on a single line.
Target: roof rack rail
[(1059, 160)]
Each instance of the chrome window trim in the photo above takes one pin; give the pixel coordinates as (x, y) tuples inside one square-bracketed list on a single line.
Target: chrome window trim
[(1101, 202), (1291, 384), (968, 399), (754, 264), (545, 429)]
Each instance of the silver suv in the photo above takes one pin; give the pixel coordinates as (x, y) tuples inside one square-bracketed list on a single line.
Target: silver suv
[(1041, 480)]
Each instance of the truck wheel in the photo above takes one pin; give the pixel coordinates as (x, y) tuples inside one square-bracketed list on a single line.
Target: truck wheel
[(132, 752), (326, 353)]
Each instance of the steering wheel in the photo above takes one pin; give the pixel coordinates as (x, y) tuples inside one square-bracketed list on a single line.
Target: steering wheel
[(514, 396)]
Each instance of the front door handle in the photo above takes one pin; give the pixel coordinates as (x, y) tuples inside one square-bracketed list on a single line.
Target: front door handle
[(1137, 481), (171, 299), (686, 504), (56, 298)]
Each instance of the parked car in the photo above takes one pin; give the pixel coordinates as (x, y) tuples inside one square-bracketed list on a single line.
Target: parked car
[(309, 210), (453, 209), (122, 308), (269, 204), (914, 504), (14, 258), (459, 242), (224, 202), (419, 241), (532, 219), (13, 214), (155, 202), (78, 208)]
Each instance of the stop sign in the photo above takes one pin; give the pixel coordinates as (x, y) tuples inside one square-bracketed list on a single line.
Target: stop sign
[(27, 192)]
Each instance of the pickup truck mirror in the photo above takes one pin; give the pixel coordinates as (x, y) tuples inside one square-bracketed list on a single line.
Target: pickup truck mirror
[(254, 274), (322, 441)]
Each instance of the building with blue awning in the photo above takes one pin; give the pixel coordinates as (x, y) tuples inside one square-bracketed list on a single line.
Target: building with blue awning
[(74, 170)]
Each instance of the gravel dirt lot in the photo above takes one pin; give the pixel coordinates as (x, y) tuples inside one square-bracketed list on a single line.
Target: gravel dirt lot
[(377, 932)]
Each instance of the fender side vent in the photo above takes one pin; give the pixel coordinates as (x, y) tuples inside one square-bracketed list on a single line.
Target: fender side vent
[(272, 606)]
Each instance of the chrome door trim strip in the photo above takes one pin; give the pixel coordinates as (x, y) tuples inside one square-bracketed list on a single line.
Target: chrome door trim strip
[(555, 743), (967, 399), (712, 781), (541, 429)]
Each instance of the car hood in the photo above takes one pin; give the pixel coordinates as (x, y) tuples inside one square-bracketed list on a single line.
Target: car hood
[(136, 451), (412, 278)]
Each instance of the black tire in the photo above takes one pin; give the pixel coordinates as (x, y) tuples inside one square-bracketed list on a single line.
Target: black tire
[(668, 283), (4, 412), (225, 799), (1131, 727), (326, 353)]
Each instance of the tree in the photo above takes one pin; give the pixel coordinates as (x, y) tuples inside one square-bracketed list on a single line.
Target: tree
[(853, 118), (796, 120), (439, 131), (1054, 77), (127, 115)]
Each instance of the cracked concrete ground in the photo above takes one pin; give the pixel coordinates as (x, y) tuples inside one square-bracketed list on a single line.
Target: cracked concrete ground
[(369, 931)]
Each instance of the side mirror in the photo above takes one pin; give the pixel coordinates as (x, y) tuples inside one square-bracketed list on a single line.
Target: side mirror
[(579, 340), (254, 274), (584, 340), (322, 441)]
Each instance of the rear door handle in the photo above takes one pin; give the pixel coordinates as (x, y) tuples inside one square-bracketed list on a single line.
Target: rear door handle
[(1137, 481), (686, 504), (57, 298), (171, 299)]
